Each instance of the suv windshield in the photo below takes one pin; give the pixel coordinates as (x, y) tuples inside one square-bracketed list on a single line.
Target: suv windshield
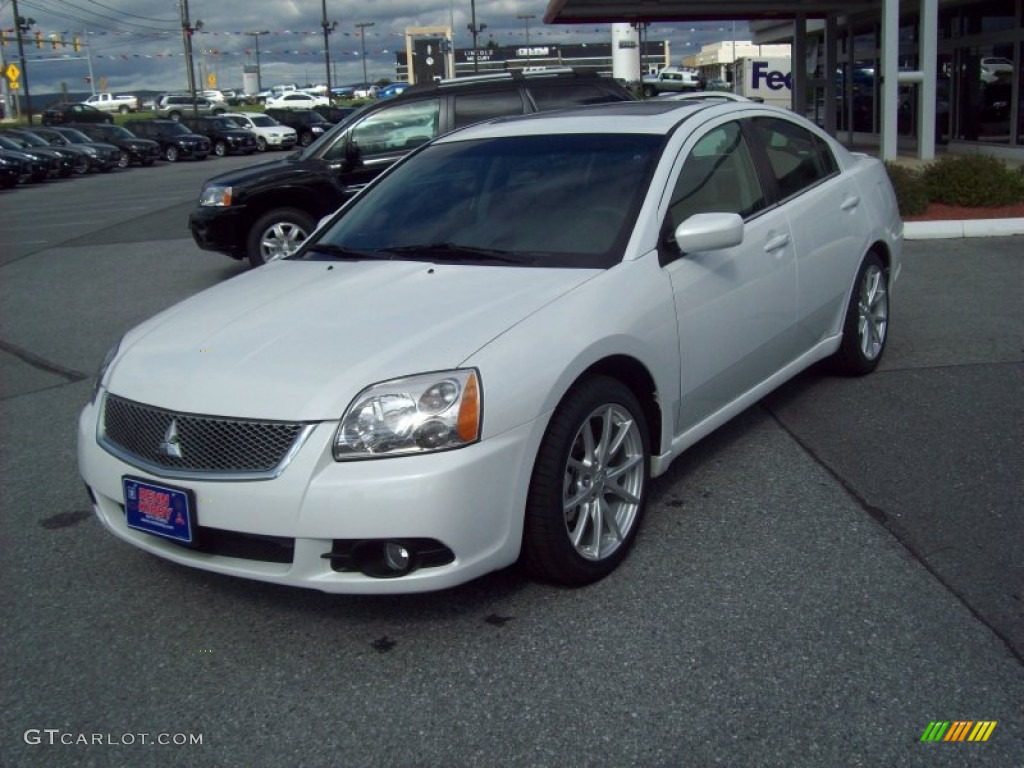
[(553, 201)]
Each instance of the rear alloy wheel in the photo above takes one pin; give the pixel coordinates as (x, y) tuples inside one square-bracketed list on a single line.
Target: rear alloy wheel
[(277, 234), (866, 327), (589, 485), (171, 154), (220, 149)]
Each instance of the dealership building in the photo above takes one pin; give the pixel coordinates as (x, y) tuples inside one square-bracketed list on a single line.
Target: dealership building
[(908, 76)]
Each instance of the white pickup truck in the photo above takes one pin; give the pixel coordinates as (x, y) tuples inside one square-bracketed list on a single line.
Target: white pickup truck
[(672, 80), (109, 102)]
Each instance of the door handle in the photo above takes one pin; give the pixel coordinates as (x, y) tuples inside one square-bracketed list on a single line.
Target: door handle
[(850, 203), (776, 242)]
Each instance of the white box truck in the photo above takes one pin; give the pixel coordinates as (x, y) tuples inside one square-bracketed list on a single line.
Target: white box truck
[(767, 79)]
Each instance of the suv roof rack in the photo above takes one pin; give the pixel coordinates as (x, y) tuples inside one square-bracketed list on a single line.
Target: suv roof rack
[(510, 74)]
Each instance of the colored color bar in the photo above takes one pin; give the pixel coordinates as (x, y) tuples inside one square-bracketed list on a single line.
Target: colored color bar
[(935, 730), (959, 730), (982, 730)]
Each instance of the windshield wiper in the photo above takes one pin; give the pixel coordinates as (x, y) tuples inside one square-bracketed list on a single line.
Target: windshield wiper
[(341, 252), (455, 252)]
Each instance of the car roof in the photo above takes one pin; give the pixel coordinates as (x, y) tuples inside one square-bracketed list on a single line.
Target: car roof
[(654, 116)]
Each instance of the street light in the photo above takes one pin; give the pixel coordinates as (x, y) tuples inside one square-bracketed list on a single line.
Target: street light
[(526, 18), (256, 39), (362, 42), (328, 28), (474, 30)]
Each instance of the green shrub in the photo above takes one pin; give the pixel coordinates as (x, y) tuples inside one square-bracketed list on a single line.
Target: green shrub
[(911, 190), (975, 181)]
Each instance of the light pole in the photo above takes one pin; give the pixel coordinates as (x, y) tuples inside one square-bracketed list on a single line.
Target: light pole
[(256, 39), (22, 24), (328, 28), (186, 34), (362, 42), (474, 30), (526, 18)]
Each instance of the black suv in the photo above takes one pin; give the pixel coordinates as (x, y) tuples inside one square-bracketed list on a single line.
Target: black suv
[(133, 149), (176, 141), (309, 125), (225, 134), (267, 210)]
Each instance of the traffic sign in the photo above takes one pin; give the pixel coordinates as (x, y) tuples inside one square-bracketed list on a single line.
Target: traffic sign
[(12, 72)]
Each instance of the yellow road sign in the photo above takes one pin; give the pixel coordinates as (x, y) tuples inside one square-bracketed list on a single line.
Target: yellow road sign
[(12, 71), (211, 80)]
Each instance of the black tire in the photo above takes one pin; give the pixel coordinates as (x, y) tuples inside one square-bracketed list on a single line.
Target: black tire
[(866, 327), (649, 91), (171, 153), (306, 138), (123, 160), (220, 149), (278, 233), (123, 109), (175, 116), (261, 144), (566, 466)]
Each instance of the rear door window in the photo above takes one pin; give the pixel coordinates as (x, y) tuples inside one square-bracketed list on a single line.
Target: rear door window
[(475, 107), (549, 96)]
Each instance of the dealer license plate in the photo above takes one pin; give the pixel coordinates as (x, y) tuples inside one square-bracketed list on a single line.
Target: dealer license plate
[(159, 509)]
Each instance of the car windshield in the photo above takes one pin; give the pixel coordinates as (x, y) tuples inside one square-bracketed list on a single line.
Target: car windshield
[(551, 201), (117, 132), (264, 121), (24, 140), (223, 124), (75, 137), (177, 129)]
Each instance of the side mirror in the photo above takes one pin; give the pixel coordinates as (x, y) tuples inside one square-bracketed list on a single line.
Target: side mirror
[(709, 232)]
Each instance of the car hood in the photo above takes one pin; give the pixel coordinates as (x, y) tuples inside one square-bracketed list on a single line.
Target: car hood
[(296, 341)]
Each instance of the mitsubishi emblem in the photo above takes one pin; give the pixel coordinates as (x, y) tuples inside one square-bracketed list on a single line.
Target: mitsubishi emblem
[(171, 446)]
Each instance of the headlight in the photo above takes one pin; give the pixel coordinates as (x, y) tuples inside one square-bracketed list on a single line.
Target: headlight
[(216, 195), (91, 151), (107, 360), (416, 414)]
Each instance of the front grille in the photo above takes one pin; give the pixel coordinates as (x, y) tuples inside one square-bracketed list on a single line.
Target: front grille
[(183, 443)]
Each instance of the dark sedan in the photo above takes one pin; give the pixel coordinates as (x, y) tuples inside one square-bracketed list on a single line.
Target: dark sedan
[(10, 170), (61, 162), (134, 149), (102, 157), (72, 112)]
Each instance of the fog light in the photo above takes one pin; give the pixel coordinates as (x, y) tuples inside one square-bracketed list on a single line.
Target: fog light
[(396, 557)]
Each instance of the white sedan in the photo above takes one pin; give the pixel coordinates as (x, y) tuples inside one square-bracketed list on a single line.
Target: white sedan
[(296, 100), (486, 355)]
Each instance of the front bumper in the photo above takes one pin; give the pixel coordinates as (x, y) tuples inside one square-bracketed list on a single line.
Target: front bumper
[(220, 229), (470, 500)]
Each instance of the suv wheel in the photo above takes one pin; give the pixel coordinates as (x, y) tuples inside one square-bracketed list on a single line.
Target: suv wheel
[(220, 149), (306, 138), (175, 116), (261, 144), (123, 161), (278, 233), (171, 154)]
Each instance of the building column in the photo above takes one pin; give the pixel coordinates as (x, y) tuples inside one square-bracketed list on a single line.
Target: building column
[(799, 66), (890, 78), (928, 33), (831, 65)]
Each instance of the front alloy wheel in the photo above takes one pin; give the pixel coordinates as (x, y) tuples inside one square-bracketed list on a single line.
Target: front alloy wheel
[(171, 154), (123, 160), (278, 234), (589, 485), (866, 327), (220, 149)]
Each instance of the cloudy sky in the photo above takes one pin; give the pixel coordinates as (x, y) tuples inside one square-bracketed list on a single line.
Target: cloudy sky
[(137, 44)]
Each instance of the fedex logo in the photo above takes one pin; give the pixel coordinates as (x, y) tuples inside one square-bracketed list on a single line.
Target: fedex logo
[(774, 79)]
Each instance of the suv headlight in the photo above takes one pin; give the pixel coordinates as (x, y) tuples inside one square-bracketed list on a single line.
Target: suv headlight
[(416, 414), (215, 195)]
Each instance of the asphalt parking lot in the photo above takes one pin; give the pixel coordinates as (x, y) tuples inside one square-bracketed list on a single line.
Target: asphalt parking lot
[(814, 584)]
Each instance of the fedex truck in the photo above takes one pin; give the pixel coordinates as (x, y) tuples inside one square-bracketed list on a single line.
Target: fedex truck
[(767, 79)]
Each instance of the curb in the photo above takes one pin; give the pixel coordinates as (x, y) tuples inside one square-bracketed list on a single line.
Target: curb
[(948, 230)]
